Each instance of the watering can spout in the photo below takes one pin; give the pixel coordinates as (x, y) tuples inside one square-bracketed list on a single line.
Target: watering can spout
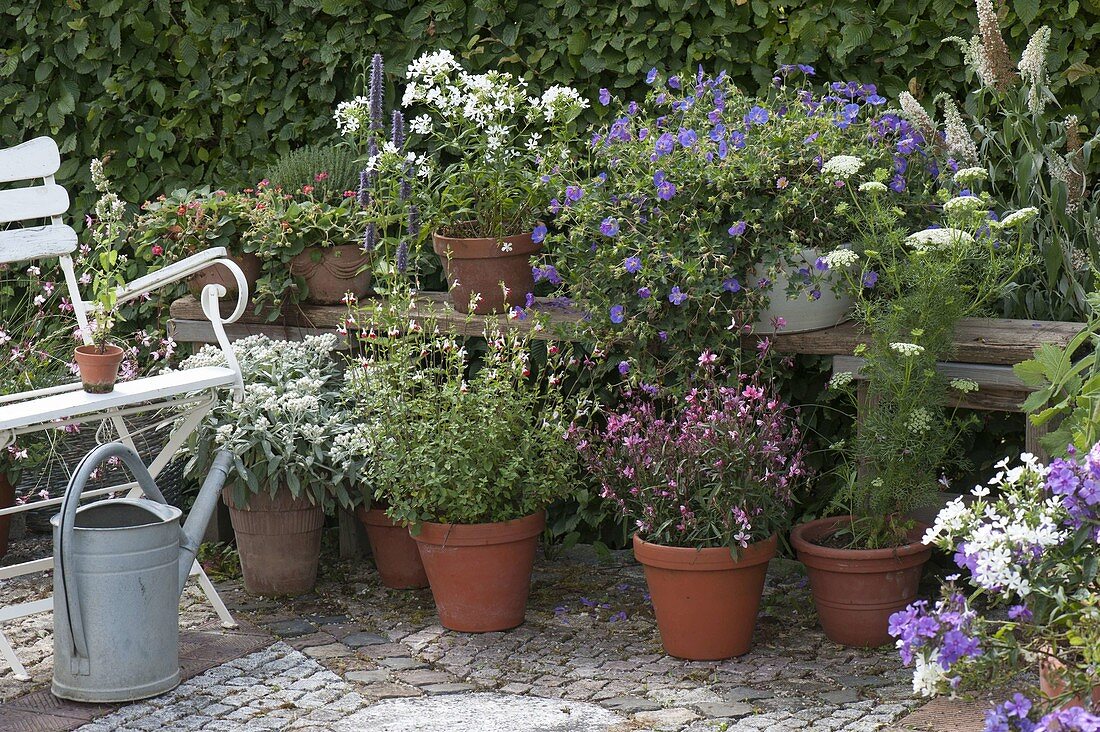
[(193, 529)]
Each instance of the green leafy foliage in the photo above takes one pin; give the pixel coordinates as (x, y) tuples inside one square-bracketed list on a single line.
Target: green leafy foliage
[(187, 92)]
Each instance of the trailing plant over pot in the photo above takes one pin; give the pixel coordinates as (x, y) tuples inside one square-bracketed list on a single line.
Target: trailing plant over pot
[(280, 433), (707, 478), (467, 173), (925, 282), (470, 456), (1027, 544)]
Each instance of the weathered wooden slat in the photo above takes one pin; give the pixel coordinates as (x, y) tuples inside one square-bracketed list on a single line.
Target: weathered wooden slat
[(39, 242), (33, 203), (35, 158), (977, 340)]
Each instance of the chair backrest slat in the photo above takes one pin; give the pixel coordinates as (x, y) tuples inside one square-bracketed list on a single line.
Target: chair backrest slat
[(33, 203), (36, 158)]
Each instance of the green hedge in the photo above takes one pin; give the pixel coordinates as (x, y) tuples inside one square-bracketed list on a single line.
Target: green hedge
[(184, 92)]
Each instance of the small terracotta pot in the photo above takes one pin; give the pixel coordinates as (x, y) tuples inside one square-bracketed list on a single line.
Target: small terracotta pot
[(332, 272), (395, 552), (480, 574), (704, 600), (1052, 686), (217, 274), (98, 371), (7, 500), (856, 590), (279, 541), (481, 265)]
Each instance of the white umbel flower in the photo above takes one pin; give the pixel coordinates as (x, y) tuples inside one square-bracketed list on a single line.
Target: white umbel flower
[(963, 204), (969, 176), (842, 166), (872, 186), (841, 258), (937, 238), (907, 349), (1019, 217)]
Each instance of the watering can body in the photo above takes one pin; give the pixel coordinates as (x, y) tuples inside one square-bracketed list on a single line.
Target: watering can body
[(119, 568)]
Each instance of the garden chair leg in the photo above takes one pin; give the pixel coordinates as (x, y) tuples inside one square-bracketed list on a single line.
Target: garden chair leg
[(12, 660)]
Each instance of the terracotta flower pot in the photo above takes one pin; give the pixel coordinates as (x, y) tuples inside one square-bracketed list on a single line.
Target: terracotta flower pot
[(332, 272), (482, 265), (704, 600), (856, 590), (217, 274), (279, 541), (395, 552), (98, 371), (1052, 686), (480, 574), (7, 500)]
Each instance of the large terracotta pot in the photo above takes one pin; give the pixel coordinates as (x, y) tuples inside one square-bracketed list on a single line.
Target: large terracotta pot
[(1052, 686), (332, 272), (7, 500), (480, 574), (800, 312), (98, 371), (482, 265), (705, 601), (217, 274), (279, 541), (395, 552), (856, 590)]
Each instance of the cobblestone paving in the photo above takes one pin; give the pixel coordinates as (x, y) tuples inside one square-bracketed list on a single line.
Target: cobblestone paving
[(353, 652)]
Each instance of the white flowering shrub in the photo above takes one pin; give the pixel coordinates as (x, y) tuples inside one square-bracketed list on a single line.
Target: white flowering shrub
[(282, 432)]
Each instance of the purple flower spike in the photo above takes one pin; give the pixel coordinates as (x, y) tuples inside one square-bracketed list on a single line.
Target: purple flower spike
[(377, 79)]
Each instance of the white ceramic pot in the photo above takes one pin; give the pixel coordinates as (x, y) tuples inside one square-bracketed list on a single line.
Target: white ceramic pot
[(801, 313)]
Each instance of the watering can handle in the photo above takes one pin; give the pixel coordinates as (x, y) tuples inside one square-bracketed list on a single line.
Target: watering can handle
[(69, 505)]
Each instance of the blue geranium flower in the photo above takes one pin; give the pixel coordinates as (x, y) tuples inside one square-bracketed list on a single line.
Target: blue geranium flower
[(609, 226), (624, 367), (737, 229), (616, 314), (574, 193), (605, 97), (676, 297), (632, 264), (665, 143), (688, 137), (731, 285), (651, 76), (757, 116), (737, 138), (538, 234), (644, 292)]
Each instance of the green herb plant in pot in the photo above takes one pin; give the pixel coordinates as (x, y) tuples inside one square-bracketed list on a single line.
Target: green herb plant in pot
[(866, 563), (475, 453), (707, 479), (280, 433)]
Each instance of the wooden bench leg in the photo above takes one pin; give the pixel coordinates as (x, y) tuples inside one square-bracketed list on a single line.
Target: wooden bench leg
[(1032, 436)]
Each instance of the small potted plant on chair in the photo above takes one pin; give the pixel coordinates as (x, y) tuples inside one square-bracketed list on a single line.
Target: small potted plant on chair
[(866, 563), (99, 360), (707, 480)]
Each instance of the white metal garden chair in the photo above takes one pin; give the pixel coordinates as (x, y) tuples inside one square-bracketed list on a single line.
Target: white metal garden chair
[(189, 394)]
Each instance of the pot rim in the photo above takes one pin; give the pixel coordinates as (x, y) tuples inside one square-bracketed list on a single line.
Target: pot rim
[(375, 516), (503, 532), (523, 245), (111, 351), (803, 534), (709, 559)]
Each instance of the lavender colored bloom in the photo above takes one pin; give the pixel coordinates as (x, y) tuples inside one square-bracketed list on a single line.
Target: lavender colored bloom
[(548, 273), (364, 188), (1019, 612), (397, 133), (737, 229), (403, 257), (605, 97), (665, 143), (632, 264), (676, 297), (574, 193), (821, 265), (870, 278), (731, 285), (377, 80), (644, 292), (687, 138), (539, 234), (662, 335), (651, 76), (674, 82), (897, 184), (737, 139), (414, 221), (616, 314), (876, 100), (757, 116), (370, 238), (624, 369), (609, 227)]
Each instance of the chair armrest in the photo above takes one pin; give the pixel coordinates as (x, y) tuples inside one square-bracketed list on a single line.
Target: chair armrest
[(185, 268)]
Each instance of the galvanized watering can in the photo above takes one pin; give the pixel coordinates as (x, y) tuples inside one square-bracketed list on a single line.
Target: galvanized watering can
[(119, 568)]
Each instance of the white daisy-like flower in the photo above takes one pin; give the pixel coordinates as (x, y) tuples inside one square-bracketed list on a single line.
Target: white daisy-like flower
[(907, 349), (561, 102), (421, 125), (936, 238), (841, 258), (967, 176), (872, 186), (842, 166)]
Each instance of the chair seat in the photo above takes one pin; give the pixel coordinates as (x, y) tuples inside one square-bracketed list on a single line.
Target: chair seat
[(126, 394), (36, 242)]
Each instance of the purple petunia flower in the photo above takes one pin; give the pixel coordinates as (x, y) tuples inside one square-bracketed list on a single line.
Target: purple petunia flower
[(676, 297), (737, 229), (539, 234), (616, 314), (609, 226), (605, 97), (632, 264)]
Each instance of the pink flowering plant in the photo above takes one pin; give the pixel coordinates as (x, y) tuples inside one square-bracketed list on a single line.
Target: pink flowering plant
[(1027, 545), (669, 231), (714, 467)]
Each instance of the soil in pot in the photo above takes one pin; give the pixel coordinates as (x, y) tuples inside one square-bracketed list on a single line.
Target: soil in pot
[(705, 600), (480, 574), (856, 590), (332, 272), (487, 267), (217, 274), (394, 550), (7, 500), (279, 541), (98, 369)]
